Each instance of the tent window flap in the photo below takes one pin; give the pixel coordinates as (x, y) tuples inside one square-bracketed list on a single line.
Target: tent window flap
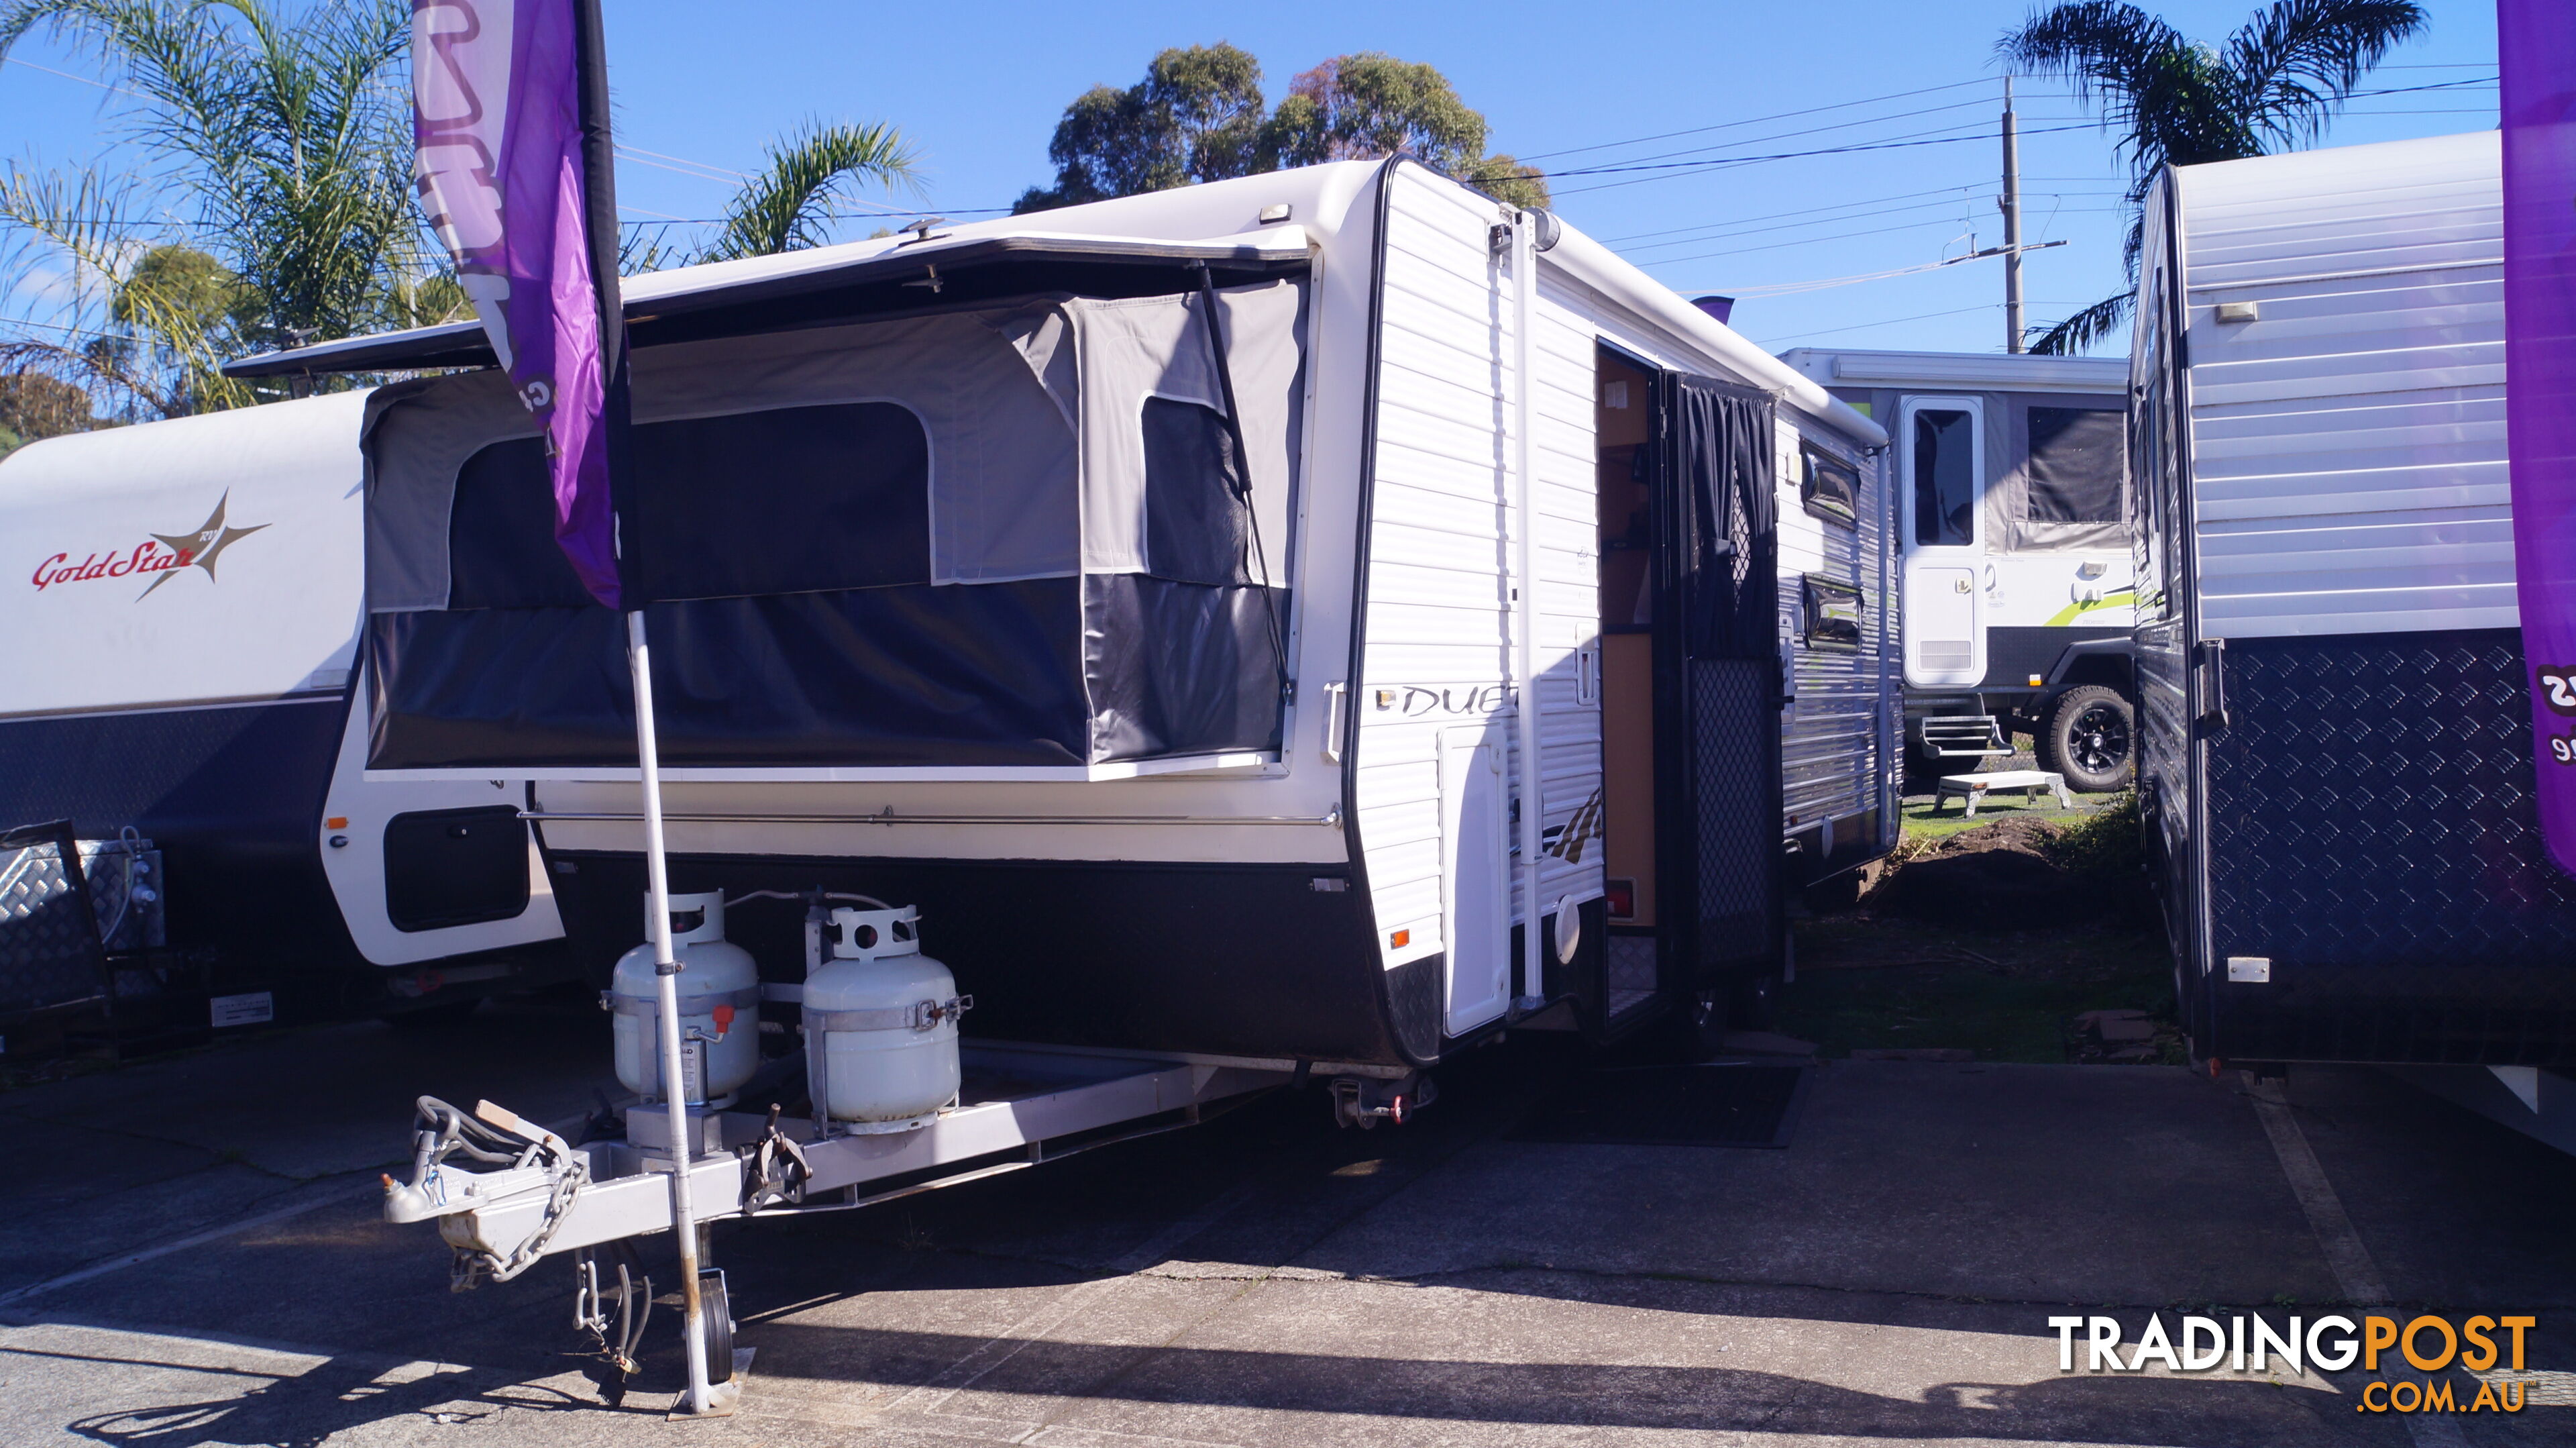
[(1015, 536)]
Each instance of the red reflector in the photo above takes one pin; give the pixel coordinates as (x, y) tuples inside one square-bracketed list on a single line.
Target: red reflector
[(1620, 898)]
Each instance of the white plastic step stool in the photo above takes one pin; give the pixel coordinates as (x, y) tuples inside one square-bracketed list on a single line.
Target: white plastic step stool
[(1973, 787)]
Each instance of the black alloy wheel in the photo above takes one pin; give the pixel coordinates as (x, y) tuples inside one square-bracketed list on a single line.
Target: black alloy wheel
[(2091, 738)]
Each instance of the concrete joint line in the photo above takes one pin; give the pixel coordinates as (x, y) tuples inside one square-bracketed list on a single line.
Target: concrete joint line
[(2355, 1274), (993, 1352)]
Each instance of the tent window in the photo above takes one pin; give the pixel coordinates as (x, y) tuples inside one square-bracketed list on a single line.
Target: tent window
[(2076, 465), (1945, 479), (1194, 506), (501, 533), (795, 500), (1829, 487)]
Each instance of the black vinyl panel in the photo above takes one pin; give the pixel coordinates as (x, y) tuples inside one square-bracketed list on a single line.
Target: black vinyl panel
[(793, 500), (2372, 831), (1179, 668), (2078, 458), (449, 867), (983, 674), (232, 796), (2014, 652), (1195, 512), (1248, 960), (501, 550)]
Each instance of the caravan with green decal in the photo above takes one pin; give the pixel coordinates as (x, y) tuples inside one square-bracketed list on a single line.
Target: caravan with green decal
[(2014, 583)]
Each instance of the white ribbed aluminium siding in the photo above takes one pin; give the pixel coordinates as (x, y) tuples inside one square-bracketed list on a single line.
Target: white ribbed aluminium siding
[(2348, 447), (1837, 735), (1438, 630)]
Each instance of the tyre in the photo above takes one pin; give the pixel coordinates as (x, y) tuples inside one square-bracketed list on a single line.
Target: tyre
[(715, 1311), (2091, 739)]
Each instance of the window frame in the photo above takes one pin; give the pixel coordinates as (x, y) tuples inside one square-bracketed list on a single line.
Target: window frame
[(1914, 406), (1813, 460)]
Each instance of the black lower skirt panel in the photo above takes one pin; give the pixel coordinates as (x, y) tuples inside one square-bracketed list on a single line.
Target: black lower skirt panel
[(231, 796), (1222, 959), (2372, 832)]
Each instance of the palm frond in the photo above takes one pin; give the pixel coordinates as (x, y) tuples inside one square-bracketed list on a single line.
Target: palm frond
[(2295, 62), (792, 202), (2085, 328)]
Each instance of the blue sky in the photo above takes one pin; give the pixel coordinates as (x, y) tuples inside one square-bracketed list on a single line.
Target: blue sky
[(700, 88)]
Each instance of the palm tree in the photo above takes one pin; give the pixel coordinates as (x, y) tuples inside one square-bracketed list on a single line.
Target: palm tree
[(790, 204), (285, 144), (2275, 83)]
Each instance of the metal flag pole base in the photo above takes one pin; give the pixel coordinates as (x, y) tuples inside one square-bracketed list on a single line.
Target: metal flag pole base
[(666, 989)]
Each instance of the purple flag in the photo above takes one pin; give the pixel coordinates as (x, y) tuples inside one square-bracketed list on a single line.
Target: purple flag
[(2537, 41), (496, 116)]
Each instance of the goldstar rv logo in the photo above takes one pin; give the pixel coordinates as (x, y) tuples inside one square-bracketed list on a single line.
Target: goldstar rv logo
[(162, 554)]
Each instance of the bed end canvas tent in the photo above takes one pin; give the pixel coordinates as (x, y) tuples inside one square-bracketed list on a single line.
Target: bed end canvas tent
[(1179, 673), (874, 545)]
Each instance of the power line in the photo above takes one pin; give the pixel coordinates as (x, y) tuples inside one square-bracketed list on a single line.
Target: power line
[(1888, 322), (1720, 231), (1676, 168)]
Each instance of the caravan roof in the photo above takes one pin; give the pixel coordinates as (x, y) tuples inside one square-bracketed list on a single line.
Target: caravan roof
[(1105, 248)]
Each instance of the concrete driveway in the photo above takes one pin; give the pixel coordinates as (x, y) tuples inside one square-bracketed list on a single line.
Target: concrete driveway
[(1268, 1279)]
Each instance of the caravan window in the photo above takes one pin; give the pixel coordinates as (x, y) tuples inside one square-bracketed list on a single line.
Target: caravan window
[(790, 500), (1194, 495), (2077, 464), (1944, 468), (1829, 487)]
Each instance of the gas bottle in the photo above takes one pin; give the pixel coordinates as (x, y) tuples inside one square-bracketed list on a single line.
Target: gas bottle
[(719, 991), (886, 1017)]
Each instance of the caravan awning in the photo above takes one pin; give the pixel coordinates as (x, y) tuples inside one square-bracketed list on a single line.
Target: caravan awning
[(838, 283)]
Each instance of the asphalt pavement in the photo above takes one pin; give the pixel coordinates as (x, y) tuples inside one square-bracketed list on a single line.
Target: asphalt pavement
[(190, 1254)]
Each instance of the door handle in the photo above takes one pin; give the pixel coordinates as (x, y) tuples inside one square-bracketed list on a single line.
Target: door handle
[(1333, 721)]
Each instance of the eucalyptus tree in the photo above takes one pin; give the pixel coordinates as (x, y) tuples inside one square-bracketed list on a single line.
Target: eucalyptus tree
[(1199, 115), (2271, 85)]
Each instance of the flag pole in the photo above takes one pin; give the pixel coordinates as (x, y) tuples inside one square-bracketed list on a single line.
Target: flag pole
[(599, 199)]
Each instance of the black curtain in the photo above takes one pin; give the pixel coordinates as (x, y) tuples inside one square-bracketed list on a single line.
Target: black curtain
[(1722, 435)]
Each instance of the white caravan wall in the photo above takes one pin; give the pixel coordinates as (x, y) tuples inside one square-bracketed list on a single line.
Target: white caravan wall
[(1438, 640), (2348, 448), (271, 609)]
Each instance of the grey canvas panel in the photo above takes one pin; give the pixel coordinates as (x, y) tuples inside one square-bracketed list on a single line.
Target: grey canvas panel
[(2026, 502), (1143, 347), (417, 436), (1003, 494)]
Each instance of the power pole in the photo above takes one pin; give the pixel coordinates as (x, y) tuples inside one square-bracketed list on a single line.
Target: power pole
[(2012, 224)]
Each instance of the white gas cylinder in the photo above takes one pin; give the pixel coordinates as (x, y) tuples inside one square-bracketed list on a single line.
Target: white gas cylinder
[(719, 992), (886, 1016)]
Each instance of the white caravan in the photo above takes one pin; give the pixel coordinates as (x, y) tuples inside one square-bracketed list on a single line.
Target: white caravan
[(183, 616), (2337, 766), (1180, 675), (2015, 587)]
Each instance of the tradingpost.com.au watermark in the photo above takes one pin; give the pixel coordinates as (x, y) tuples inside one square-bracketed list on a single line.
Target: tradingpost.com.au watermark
[(2247, 1343)]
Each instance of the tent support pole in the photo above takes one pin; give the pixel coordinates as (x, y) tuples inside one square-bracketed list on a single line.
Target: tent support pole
[(1525, 566), (666, 998)]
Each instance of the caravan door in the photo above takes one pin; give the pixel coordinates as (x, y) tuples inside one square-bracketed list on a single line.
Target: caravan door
[(1948, 580)]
